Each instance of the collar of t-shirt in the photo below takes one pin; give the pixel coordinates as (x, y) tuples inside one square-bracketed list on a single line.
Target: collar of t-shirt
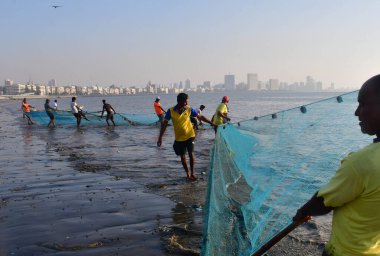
[(177, 110), (375, 140)]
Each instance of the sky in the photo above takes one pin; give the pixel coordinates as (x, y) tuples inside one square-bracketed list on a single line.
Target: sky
[(128, 43)]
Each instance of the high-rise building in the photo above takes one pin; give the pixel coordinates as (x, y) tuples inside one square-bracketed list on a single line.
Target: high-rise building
[(229, 82), (187, 84), (273, 84), (52, 82), (252, 81), (310, 84)]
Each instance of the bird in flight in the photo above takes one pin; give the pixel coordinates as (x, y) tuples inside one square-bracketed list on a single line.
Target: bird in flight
[(56, 6)]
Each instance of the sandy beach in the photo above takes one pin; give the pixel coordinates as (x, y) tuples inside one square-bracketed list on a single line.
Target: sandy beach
[(106, 191)]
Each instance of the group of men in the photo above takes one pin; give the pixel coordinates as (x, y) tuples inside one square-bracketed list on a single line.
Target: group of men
[(75, 109)]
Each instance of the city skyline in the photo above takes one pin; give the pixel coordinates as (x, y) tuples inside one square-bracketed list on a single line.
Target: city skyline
[(252, 82), (128, 43)]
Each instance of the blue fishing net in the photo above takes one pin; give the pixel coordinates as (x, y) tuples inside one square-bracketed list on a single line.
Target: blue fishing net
[(66, 117), (265, 168)]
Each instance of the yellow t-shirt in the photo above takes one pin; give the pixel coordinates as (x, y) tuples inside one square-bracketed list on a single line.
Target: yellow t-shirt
[(355, 192), (218, 120), (183, 128)]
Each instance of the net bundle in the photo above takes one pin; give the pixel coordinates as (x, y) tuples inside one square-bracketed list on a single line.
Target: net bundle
[(263, 169), (66, 117)]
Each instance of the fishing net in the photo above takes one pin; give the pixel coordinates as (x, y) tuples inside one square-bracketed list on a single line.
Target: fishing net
[(66, 117), (265, 168)]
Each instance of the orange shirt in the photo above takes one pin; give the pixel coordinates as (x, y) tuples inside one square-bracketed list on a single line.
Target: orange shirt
[(157, 108), (26, 107)]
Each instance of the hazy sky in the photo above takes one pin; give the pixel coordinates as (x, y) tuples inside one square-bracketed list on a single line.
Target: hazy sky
[(128, 43)]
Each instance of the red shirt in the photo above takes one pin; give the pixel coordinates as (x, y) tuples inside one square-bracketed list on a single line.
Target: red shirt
[(157, 108)]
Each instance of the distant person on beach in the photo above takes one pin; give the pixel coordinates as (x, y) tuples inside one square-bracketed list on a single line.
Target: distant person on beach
[(183, 131), (49, 111), (353, 194), (220, 116), (110, 112), (194, 120), (77, 111), (25, 106), (159, 110), (55, 105)]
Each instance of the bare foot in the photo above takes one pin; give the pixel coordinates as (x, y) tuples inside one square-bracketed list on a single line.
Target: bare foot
[(193, 178)]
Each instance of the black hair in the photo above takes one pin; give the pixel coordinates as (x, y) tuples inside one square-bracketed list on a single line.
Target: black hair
[(202, 107), (73, 98), (182, 97), (104, 101)]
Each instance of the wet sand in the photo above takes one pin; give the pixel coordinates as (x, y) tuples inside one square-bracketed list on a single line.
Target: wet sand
[(104, 191)]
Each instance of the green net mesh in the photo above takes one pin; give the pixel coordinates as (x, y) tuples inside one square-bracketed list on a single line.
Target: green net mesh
[(265, 168)]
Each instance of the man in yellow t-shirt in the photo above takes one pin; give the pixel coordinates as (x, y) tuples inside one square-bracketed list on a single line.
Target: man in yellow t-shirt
[(354, 192), (183, 131), (220, 116)]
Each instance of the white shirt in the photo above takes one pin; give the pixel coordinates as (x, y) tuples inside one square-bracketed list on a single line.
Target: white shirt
[(74, 108)]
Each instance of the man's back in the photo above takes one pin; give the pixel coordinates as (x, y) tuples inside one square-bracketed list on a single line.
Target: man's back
[(108, 108)]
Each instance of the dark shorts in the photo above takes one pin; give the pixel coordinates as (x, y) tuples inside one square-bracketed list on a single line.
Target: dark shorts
[(161, 118), (77, 115), (51, 116), (180, 147), (109, 116)]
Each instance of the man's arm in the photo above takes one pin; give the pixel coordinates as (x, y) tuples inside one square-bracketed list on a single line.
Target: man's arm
[(203, 118), (314, 207), (101, 116), (162, 131), (223, 115), (162, 109)]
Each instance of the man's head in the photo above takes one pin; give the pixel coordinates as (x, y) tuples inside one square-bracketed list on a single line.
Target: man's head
[(73, 99), (104, 101), (55, 100), (225, 99), (24, 100), (202, 107), (182, 99), (157, 99), (368, 110), (47, 100)]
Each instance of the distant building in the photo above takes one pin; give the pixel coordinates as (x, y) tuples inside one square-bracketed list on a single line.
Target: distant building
[(8, 82), (310, 84), (252, 81), (319, 86), (14, 89), (187, 84), (273, 84), (229, 82), (52, 83), (242, 86)]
